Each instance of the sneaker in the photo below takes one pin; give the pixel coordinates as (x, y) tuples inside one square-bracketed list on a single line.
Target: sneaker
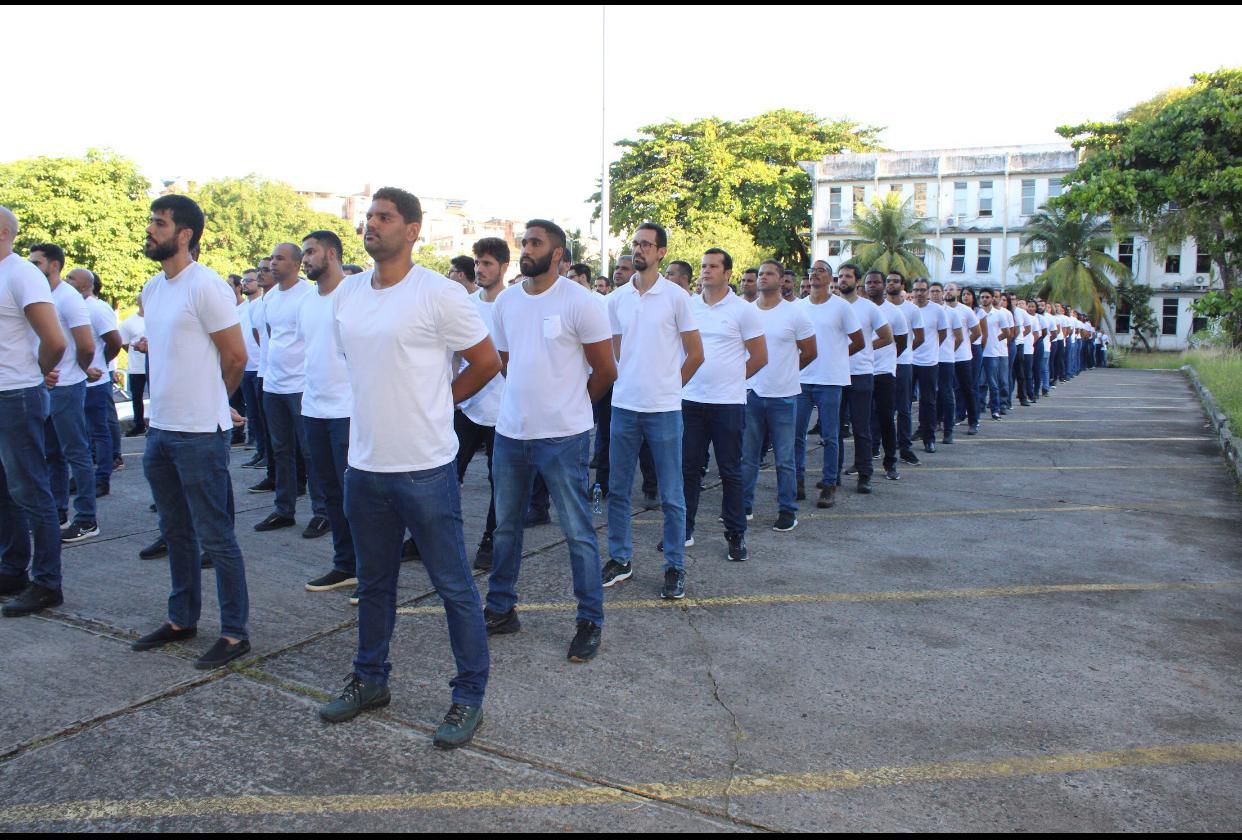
[(332, 580), (63, 516), (155, 550), (152, 507), (483, 558), (689, 543), (79, 531), (267, 485), (357, 698), (275, 521), (118, 463), (851, 470), (947, 439), (1004, 411), (409, 551), (135, 432), (102, 488), (785, 521), (930, 446), (459, 726), (536, 518), (674, 585), (32, 599), (615, 572), (586, 641), (501, 624), (750, 515), (996, 415), (737, 548), (911, 459), (258, 463), (827, 497), (973, 430), (221, 654), (801, 497), (12, 584), (317, 527), (891, 474), (166, 635), (864, 484)]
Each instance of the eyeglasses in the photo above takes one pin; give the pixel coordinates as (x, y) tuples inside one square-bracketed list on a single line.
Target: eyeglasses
[(265, 271), (642, 246)]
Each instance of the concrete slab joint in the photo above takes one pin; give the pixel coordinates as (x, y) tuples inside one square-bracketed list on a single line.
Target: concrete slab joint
[(1230, 443), (738, 734)]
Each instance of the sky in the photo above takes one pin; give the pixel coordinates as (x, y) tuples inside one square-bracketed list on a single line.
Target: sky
[(508, 107)]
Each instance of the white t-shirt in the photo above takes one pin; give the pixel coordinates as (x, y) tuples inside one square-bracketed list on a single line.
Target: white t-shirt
[(1023, 321), (484, 407), (72, 312), (784, 325), (286, 354), (886, 357), (726, 326), (997, 347), (327, 395), (21, 284), (871, 317), (187, 387), (948, 352), (134, 328), (650, 326), (978, 313), (1055, 324), (834, 321), (545, 394), (258, 321), (245, 314), (399, 344), (968, 322), (914, 319), (934, 320), (103, 321)]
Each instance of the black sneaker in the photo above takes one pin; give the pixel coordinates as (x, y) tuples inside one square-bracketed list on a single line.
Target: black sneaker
[(586, 642), (892, 475), (689, 543), (409, 551), (930, 446), (615, 572), (947, 439), (864, 484), (483, 557), (501, 624), (32, 599), (332, 580), (118, 463), (785, 521), (674, 585), (459, 726), (972, 431), (166, 635), (79, 531), (317, 527), (851, 470), (157, 549), (267, 485), (221, 654), (357, 698), (257, 464), (102, 488), (135, 432), (996, 415), (737, 548), (910, 458), (275, 521), (12, 584)]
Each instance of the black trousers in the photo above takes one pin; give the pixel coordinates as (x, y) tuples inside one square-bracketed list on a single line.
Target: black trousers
[(300, 459), (137, 388), (966, 381), (856, 403), (884, 417), (928, 377), (469, 435)]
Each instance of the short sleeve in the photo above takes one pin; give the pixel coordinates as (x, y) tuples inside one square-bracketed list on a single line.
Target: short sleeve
[(103, 319), (458, 321), (849, 322), (897, 320), (614, 317), (29, 286), (76, 314), (499, 337), (803, 328), (214, 304), (684, 314), (590, 323), (878, 319), (914, 318), (749, 322)]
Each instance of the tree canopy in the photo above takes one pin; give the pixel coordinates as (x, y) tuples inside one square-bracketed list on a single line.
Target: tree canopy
[(891, 238)]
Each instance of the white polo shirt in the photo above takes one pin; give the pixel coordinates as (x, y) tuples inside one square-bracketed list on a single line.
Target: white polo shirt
[(968, 322), (886, 357), (725, 326), (484, 407), (834, 321), (650, 326), (286, 353), (327, 395), (103, 321), (871, 318), (21, 284), (914, 320), (784, 325), (72, 312), (934, 320)]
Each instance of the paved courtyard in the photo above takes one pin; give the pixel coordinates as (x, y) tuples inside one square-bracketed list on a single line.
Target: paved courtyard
[(1038, 630)]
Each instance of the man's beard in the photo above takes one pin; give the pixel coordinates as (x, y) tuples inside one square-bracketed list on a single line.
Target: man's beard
[(161, 251), (315, 273), (640, 263), (534, 268)]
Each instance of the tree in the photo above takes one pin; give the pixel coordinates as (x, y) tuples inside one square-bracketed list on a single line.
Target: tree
[(890, 237), (678, 173), (427, 257), (689, 243), (1174, 169), (1070, 247), (1142, 316), (95, 207)]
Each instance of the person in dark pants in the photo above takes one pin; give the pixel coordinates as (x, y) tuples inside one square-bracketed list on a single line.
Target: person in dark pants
[(99, 405), (884, 399), (857, 397), (966, 390), (927, 361), (133, 329)]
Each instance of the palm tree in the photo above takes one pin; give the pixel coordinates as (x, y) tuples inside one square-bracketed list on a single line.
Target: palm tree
[(1069, 247), (890, 238)]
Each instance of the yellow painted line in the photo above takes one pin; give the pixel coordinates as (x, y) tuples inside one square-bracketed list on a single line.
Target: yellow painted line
[(922, 468), (1186, 398), (1010, 421), (935, 514), (865, 597), (985, 439), (947, 772)]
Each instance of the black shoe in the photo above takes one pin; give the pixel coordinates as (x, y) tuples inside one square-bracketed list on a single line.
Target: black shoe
[(102, 488), (586, 642), (12, 584), (501, 624), (275, 521), (827, 497), (1026, 403), (910, 458), (260, 464), (737, 548), (615, 572), (785, 521), (674, 585), (118, 463), (332, 580), (357, 698), (864, 484), (459, 726), (851, 470), (689, 543), (152, 507), (79, 531), (253, 461), (135, 432), (930, 446), (973, 430), (996, 415), (947, 439), (483, 557), (535, 518), (801, 496), (221, 654), (205, 562), (32, 599), (166, 635), (267, 485), (891, 474), (651, 501), (317, 527), (409, 551), (157, 549)]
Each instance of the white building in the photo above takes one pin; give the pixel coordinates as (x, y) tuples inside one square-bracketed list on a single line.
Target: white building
[(976, 204)]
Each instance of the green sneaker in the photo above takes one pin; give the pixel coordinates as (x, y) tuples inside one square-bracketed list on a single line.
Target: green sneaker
[(357, 698), (459, 726)]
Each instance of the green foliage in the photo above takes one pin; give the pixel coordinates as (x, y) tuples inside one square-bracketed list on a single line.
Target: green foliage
[(427, 257), (1142, 317), (96, 208), (1220, 371), (678, 173), (689, 243), (889, 235), (1225, 306)]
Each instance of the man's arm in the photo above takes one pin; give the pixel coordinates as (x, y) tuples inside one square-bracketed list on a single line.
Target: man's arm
[(975, 332), (112, 344), (901, 341), (943, 335), (84, 345), (857, 342), (757, 347), (43, 320), (983, 330), (883, 337), (482, 365), (232, 356), (603, 368), (808, 350), (957, 339), (918, 338), (692, 343)]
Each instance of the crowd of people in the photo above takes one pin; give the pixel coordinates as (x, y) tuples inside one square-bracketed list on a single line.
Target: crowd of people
[(373, 390)]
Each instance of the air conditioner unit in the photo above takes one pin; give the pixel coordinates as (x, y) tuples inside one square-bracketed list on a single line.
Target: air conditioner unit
[(1202, 282)]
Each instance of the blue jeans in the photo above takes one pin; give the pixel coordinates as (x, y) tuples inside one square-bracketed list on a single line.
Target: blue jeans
[(563, 464), (1010, 374), (68, 449), (381, 507), (721, 426), (827, 399), (772, 418), (252, 393), (902, 385), (1037, 362), (98, 405), (662, 430), (26, 504), (976, 377), (283, 414), (995, 376), (189, 477), (327, 456)]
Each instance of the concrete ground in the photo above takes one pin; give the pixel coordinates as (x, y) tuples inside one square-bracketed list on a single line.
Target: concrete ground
[(1037, 630)]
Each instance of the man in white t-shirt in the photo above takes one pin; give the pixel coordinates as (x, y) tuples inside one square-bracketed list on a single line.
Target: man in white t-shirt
[(1025, 342), (995, 350), (884, 392), (99, 404), (927, 360), (714, 402), (399, 326), (772, 395), (555, 345), (194, 336), (895, 288), (251, 395), (966, 394), (946, 386), (856, 400), (133, 330), (658, 351)]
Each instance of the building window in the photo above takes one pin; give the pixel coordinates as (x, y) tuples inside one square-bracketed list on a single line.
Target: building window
[(1054, 187), (834, 247), (896, 188), (1028, 197), (834, 204), (1203, 262), (1168, 320), (920, 248), (920, 201), (959, 256), (860, 198), (1198, 325), (1125, 253), (959, 199), (983, 264), (985, 199), (1123, 317), (1173, 260)]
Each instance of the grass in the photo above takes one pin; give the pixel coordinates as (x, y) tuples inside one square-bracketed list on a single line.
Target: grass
[(1219, 370)]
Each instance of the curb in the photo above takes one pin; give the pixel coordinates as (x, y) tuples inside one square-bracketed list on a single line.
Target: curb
[(1230, 444)]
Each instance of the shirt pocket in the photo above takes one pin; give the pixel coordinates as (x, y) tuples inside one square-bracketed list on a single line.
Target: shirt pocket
[(552, 327)]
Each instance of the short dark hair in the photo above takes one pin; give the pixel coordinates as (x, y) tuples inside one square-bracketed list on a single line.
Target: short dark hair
[(918, 280), (494, 247), (553, 230), (684, 266), (581, 268), (350, 267), (935, 285), (779, 267), (874, 271), (50, 252), (407, 203), (246, 271), (987, 289), (790, 272), (328, 239), (900, 276), (465, 265), (660, 232), (728, 260), (185, 214), (235, 279), (858, 272), (754, 270)]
